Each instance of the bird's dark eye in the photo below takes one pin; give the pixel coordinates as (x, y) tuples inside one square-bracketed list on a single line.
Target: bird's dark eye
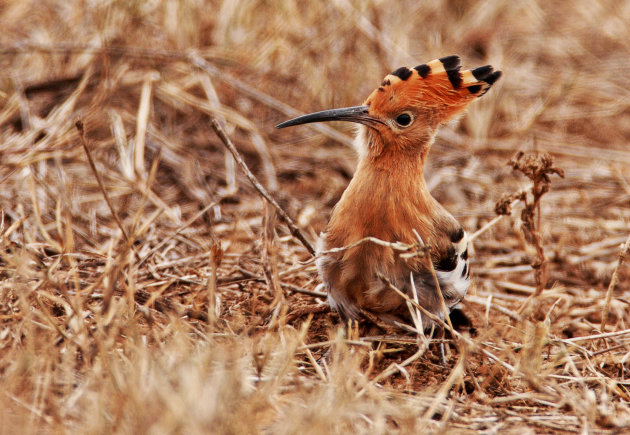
[(404, 119)]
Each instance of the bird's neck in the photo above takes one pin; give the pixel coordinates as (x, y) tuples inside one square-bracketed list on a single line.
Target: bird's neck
[(393, 180), (401, 165), (385, 200)]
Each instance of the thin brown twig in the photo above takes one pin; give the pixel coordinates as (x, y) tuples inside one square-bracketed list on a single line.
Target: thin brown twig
[(398, 246), (81, 129), (296, 289), (295, 231), (598, 336)]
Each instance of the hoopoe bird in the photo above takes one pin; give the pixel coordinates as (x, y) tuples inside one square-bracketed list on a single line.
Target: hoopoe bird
[(388, 198)]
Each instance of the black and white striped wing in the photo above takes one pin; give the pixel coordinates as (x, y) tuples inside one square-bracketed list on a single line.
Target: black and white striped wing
[(453, 271)]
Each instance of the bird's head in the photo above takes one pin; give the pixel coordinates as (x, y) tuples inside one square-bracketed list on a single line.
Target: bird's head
[(402, 115)]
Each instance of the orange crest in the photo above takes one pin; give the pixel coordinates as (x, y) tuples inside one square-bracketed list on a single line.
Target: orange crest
[(438, 86)]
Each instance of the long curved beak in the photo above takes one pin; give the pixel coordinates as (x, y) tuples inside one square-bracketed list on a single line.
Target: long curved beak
[(353, 114)]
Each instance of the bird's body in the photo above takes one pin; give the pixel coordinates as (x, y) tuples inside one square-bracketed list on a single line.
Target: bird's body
[(388, 198), (389, 203)]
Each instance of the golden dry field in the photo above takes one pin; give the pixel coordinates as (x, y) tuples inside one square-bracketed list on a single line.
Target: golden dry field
[(147, 287)]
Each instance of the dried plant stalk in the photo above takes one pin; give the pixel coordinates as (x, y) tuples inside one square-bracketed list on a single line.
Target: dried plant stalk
[(613, 282), (538, 168)]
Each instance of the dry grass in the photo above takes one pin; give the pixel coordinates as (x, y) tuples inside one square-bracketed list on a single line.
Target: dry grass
[(186, 305)]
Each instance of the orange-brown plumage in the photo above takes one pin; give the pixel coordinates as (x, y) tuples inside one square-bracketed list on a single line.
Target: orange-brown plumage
[(388, 198)]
